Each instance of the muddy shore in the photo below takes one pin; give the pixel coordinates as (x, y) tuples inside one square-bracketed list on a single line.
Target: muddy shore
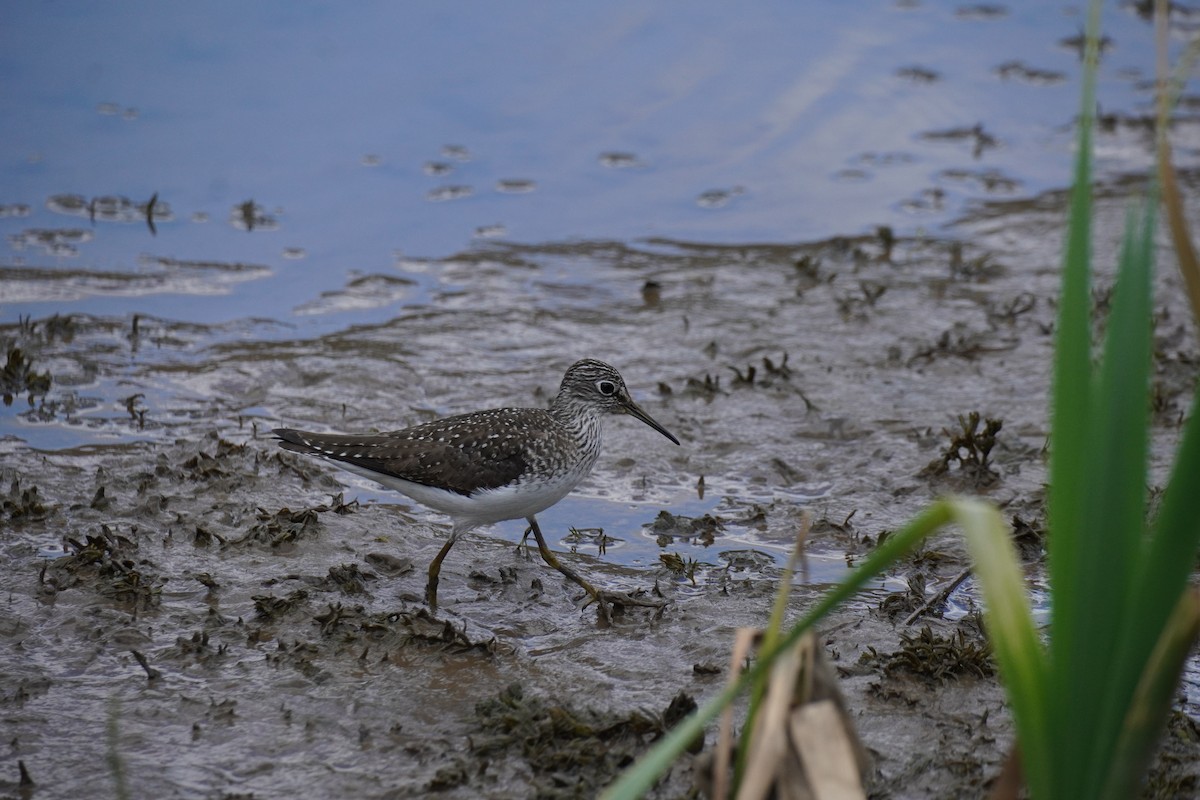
[(198, 614)]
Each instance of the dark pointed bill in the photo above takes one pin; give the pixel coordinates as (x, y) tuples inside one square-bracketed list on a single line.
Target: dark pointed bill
[(634, 410)]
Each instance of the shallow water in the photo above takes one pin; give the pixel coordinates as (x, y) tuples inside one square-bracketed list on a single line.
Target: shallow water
[(787, 122)]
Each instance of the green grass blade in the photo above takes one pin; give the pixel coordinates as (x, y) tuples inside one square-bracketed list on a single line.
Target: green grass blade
[(1147, 713), (1071, 421), (1013, 634), (1175, 535), (1115, 515), (638, 779), (1173, 543)]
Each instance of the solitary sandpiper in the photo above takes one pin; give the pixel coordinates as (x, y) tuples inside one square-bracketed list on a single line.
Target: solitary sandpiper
[(489, 466)]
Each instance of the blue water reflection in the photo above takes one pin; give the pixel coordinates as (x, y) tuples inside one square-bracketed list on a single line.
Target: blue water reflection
[(807, 116)]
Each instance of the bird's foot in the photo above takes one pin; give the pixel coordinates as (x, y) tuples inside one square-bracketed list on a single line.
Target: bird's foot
[(600, 597)]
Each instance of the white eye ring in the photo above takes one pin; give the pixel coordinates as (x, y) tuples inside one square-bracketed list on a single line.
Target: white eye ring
[(606, 388)]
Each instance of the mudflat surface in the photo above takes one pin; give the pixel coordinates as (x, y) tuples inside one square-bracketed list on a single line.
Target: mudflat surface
[(815, 240), (277, 604)]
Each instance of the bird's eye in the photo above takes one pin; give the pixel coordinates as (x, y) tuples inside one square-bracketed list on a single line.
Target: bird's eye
[(607, 388)]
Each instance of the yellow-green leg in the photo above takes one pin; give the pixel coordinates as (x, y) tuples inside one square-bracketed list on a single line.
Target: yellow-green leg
[(602, 598), (551, 559), (435, 568)]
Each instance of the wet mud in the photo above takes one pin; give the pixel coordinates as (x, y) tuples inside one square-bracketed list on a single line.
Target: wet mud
[(192, 612)]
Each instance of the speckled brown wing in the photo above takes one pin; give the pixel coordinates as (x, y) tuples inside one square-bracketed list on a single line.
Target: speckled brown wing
[(463, 454)]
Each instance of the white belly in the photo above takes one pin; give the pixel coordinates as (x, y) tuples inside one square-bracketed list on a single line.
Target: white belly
[(515, 501)]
